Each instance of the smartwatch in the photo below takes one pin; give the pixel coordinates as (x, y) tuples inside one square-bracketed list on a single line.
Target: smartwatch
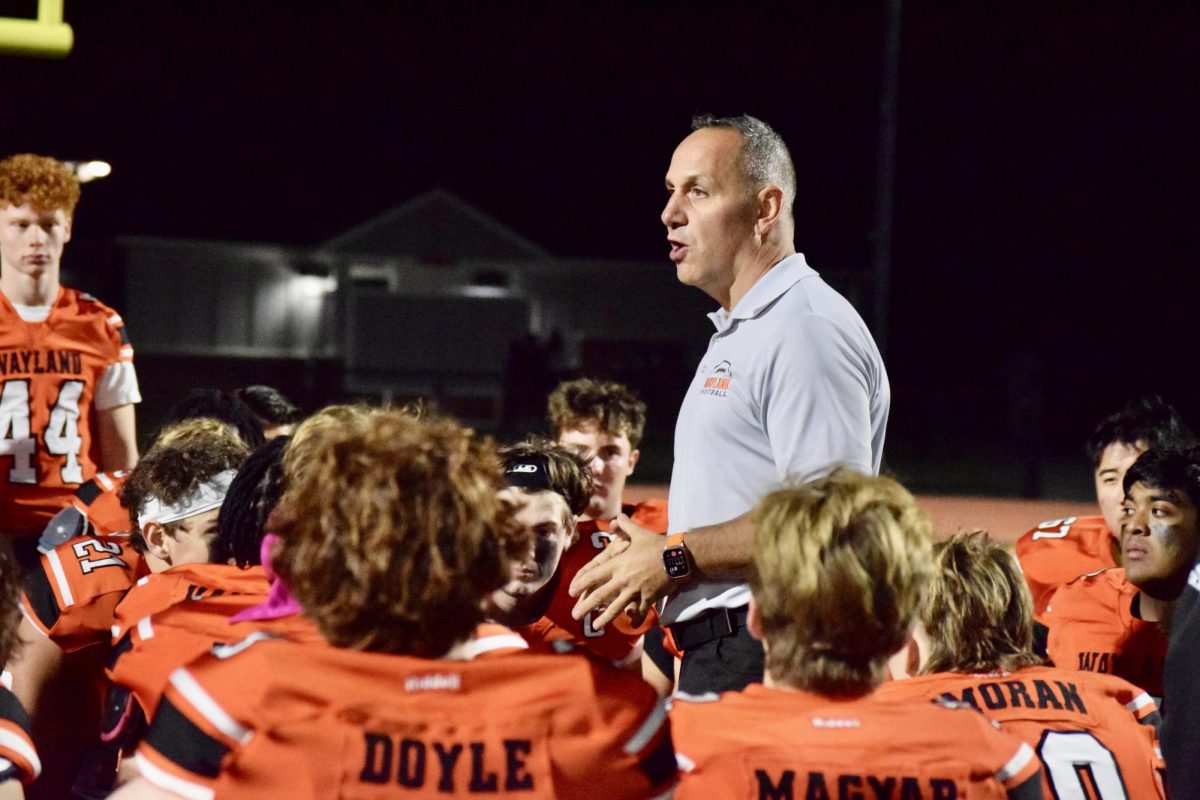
[(677, 561)]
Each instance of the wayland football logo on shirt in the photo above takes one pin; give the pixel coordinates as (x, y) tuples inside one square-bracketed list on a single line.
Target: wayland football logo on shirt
[(719, 380)]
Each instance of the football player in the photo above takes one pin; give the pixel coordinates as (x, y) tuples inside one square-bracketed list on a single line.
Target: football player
[(69, 385), (69, 601), (1093, 733), (1115, 620), (603, 423), (1060, 550), (840, 565), (392, 538), (548, 487), (19, 762)]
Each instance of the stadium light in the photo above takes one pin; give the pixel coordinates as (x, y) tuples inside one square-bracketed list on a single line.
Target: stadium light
[(88, 171)]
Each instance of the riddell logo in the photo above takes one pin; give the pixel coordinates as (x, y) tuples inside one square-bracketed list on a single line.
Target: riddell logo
[(523, 468), (719, 380), (433, 682)]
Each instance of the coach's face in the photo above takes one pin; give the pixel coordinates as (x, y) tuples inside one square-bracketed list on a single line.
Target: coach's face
[(1158, 539), (710, 212)]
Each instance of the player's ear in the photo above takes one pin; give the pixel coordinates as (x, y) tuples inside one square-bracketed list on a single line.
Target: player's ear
[(754, 621), (634, 455), (67, 228), (156, 537)]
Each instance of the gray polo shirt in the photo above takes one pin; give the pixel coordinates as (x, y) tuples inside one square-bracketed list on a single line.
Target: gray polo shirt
[(792, 385)]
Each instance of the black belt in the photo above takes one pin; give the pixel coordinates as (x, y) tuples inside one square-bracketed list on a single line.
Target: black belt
[(714, 624)]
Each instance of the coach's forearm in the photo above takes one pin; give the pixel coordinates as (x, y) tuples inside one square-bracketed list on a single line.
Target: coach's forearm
[(723, 550)]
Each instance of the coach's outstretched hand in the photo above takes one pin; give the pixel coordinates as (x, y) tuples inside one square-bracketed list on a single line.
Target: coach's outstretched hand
[(627, 576)]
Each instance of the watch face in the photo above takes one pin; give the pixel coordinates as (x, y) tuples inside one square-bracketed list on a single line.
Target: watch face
[(676, 562)]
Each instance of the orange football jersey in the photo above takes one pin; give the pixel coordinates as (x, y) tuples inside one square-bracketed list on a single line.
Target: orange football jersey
[(184, 612), (763, 742), (272, 718), (619, 642), (48, 377), (18, 757), (187, 582), (72, 594), (650, 514), (1058, 551), (97, 499), (1086, 728), (1092, 627)]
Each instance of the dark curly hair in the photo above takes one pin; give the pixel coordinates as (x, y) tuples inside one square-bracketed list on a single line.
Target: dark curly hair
[(185, 456), (252, 497)]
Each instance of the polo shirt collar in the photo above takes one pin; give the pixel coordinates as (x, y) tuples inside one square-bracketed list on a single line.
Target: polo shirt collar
[(766, 290)]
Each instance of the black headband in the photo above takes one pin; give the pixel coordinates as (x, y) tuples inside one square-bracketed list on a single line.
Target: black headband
[(529, 472)]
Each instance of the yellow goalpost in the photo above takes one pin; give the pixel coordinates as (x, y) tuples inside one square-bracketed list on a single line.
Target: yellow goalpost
[(47, 36)]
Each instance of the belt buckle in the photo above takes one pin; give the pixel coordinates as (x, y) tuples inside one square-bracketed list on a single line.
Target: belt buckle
[(722, 624)]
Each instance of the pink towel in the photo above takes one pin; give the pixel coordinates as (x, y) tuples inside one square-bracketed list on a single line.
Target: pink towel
[(279, 602)]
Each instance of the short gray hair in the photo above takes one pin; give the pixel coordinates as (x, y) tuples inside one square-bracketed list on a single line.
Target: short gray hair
[(764, 157)]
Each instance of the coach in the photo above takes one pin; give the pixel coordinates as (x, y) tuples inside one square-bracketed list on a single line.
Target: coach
[(792, 385)]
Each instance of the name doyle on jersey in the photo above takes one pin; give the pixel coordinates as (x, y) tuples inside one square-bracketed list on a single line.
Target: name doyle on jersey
[(446, 766), (40, 362)]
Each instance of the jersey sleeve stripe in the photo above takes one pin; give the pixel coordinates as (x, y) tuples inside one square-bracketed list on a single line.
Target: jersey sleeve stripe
[(60, 578), (171, 783), (488, 644), (649, 728), (22, 747), (88, 492), (1139, 702), (120, 647), (203, 702), (178, 740), (145, 629), (1014, 765), (38, 602)]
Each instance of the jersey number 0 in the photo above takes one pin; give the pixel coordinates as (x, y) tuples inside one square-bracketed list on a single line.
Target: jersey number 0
[(1079, 766)]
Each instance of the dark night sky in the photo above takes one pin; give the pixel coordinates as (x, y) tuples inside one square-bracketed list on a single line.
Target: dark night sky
[(1047, 159)]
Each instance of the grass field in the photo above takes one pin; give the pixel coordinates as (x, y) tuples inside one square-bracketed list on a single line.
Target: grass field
[(1004, 517)]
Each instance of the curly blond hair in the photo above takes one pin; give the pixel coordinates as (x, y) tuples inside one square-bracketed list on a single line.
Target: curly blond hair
[(392, 534), (45, 183), (839, 566), (977, 610)]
